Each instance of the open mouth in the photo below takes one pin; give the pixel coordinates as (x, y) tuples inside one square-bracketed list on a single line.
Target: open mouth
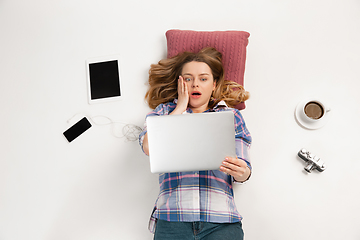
[(196, 94)]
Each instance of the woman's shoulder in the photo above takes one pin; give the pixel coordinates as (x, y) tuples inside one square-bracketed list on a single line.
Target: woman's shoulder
[(241, 130), (237, 114), (163, 109)]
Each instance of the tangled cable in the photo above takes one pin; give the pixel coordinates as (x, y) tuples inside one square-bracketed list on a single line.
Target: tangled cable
[(131, 132)]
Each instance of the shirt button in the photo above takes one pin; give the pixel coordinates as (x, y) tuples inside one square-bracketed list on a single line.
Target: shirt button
[(196, 174)]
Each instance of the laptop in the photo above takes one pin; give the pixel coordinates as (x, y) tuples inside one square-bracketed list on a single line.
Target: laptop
[(190, 142)]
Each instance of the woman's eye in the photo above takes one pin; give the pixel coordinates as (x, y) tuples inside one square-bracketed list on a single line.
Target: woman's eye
[(187, 79), (203, 79)]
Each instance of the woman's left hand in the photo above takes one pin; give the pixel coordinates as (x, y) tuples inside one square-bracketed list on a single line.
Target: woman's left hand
[(236, 168)]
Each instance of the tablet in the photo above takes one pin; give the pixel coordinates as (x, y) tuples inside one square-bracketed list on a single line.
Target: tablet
[(103, 79)]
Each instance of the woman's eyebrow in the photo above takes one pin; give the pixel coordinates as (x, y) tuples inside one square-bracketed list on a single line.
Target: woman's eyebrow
[(199, 74)]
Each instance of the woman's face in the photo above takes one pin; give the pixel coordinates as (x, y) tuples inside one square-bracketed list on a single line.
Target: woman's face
[(200, 82)]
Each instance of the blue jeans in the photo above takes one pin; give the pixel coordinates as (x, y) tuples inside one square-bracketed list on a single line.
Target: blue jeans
[(198, 231)]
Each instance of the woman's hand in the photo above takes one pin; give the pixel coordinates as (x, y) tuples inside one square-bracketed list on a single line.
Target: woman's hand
[(183, 97), (236, 168)]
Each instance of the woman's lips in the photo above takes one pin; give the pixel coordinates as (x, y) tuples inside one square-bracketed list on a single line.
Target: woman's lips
[(195, 94)]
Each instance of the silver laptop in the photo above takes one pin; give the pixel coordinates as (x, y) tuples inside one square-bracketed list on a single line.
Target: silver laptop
[(190, 142)]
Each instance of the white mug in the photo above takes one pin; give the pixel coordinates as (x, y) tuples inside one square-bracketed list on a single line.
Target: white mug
[(312, 113)]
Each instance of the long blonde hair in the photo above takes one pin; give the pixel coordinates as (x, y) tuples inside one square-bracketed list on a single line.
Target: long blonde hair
[(163, 79)]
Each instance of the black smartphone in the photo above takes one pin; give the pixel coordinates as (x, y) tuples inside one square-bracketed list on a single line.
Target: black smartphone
[(77, 129)]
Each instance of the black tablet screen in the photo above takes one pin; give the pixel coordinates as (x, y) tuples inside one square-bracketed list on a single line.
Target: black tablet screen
[(104, 79)]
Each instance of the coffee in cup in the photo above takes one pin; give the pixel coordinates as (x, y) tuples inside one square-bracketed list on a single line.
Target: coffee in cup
[(314, 110), (312, 113)]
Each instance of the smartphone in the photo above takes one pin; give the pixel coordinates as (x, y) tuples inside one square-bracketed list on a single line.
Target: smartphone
[(77, 129)]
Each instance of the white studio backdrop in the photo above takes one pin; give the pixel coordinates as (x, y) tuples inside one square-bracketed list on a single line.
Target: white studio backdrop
[(100, 186)]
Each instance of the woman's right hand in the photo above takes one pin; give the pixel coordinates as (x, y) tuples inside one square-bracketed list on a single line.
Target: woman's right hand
[(183, 97)]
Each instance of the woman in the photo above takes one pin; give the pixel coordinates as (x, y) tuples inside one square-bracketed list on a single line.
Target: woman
[(199, 204)]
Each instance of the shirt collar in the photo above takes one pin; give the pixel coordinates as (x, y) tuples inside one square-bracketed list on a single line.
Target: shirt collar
[(220, 104)]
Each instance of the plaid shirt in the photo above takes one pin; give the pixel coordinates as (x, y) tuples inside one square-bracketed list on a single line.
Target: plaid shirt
[(199, 195)]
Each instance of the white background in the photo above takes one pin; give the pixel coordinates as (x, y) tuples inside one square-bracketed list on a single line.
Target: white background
[(100, 186)]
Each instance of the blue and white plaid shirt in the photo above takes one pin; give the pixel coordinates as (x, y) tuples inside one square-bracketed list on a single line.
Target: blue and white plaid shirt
[(205, 196)]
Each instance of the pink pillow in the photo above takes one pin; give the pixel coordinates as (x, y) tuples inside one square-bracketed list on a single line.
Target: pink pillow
[(232, 45)]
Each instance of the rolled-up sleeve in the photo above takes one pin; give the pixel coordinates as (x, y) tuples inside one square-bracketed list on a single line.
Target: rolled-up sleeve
[(242, 151), (242, 138)]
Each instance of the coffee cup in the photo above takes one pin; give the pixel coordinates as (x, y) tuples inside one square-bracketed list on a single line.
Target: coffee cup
[(314, 110), (312, 113)]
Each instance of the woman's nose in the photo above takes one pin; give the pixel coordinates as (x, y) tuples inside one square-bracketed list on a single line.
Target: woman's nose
[(195, 83)]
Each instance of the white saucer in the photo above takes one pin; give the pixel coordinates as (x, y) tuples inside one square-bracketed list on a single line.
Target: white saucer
[(307, 122)]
